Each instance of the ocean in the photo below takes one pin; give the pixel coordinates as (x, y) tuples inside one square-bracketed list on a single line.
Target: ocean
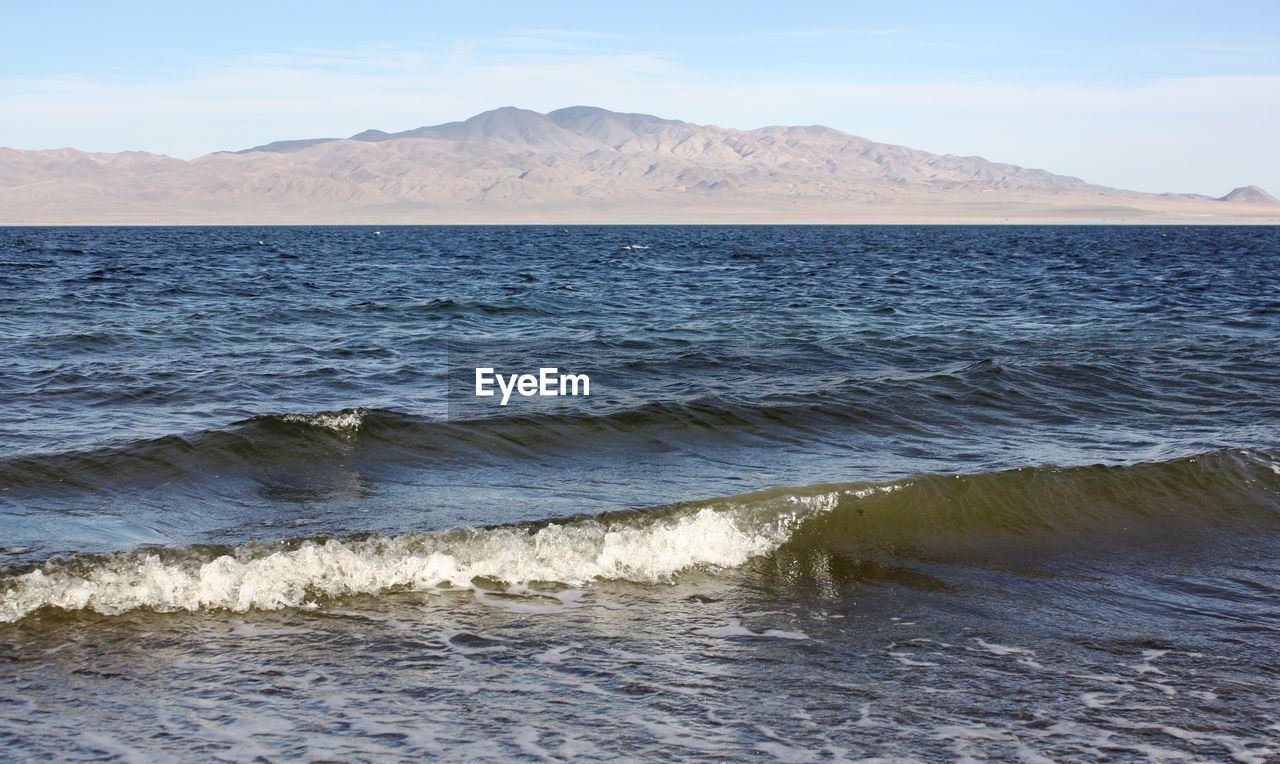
[(893, 492)]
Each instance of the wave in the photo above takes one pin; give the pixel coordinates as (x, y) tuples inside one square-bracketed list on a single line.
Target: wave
[(254, 443), (378, 435), (799, 532), (289, 574)]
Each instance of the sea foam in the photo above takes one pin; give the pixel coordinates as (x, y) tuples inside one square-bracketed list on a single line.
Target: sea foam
[(645, 550)]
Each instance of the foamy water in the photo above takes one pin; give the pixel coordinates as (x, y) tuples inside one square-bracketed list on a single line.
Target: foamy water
[(254, 577)]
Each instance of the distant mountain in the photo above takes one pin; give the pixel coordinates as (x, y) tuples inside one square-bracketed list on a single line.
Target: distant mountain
[(578, 164), (1249, 195)]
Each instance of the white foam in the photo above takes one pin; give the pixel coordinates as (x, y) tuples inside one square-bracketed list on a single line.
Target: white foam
[(1148, 656), (735, 629), (906, 659), (970, 732), (1098, 699), (996, 649), (524, 601), (572, 554), (347, 421), (102, 743), (862, 493), (556, 654)]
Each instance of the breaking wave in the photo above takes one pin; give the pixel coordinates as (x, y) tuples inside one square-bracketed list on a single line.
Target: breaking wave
[(964, 519)]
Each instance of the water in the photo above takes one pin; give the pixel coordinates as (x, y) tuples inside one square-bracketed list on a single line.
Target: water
[(837, 492)]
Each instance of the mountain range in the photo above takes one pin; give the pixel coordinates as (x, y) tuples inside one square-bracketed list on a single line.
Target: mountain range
[(576, 165)]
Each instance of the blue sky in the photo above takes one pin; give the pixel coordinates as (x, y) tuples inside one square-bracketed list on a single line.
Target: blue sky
[(1167, 96)]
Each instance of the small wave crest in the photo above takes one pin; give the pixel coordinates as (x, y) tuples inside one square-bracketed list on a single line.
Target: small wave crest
[(345, 421), (378, 436), (261, 441)]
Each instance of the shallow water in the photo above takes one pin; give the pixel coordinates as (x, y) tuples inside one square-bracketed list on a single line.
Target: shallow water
[(838, 492)]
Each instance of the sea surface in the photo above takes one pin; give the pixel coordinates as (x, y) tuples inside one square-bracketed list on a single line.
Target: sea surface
[(917, 493)]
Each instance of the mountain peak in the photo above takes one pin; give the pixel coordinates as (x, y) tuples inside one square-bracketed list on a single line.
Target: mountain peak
[(578, 114), (1249, 195), (509, 124), (506, 115), (615, 128)]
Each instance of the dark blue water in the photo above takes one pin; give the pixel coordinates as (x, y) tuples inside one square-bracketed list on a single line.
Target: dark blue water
[(1035, 462)]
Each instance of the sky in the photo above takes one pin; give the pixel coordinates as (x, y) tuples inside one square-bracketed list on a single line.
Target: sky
[(1152, 96)]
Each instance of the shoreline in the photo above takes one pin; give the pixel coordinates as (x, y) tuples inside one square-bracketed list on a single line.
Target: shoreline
[(479, 219)]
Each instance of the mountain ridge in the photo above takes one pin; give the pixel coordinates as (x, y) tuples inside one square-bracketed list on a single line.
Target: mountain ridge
[(578, 163)]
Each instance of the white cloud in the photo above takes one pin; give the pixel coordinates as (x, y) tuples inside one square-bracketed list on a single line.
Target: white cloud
[(1190, 134)]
